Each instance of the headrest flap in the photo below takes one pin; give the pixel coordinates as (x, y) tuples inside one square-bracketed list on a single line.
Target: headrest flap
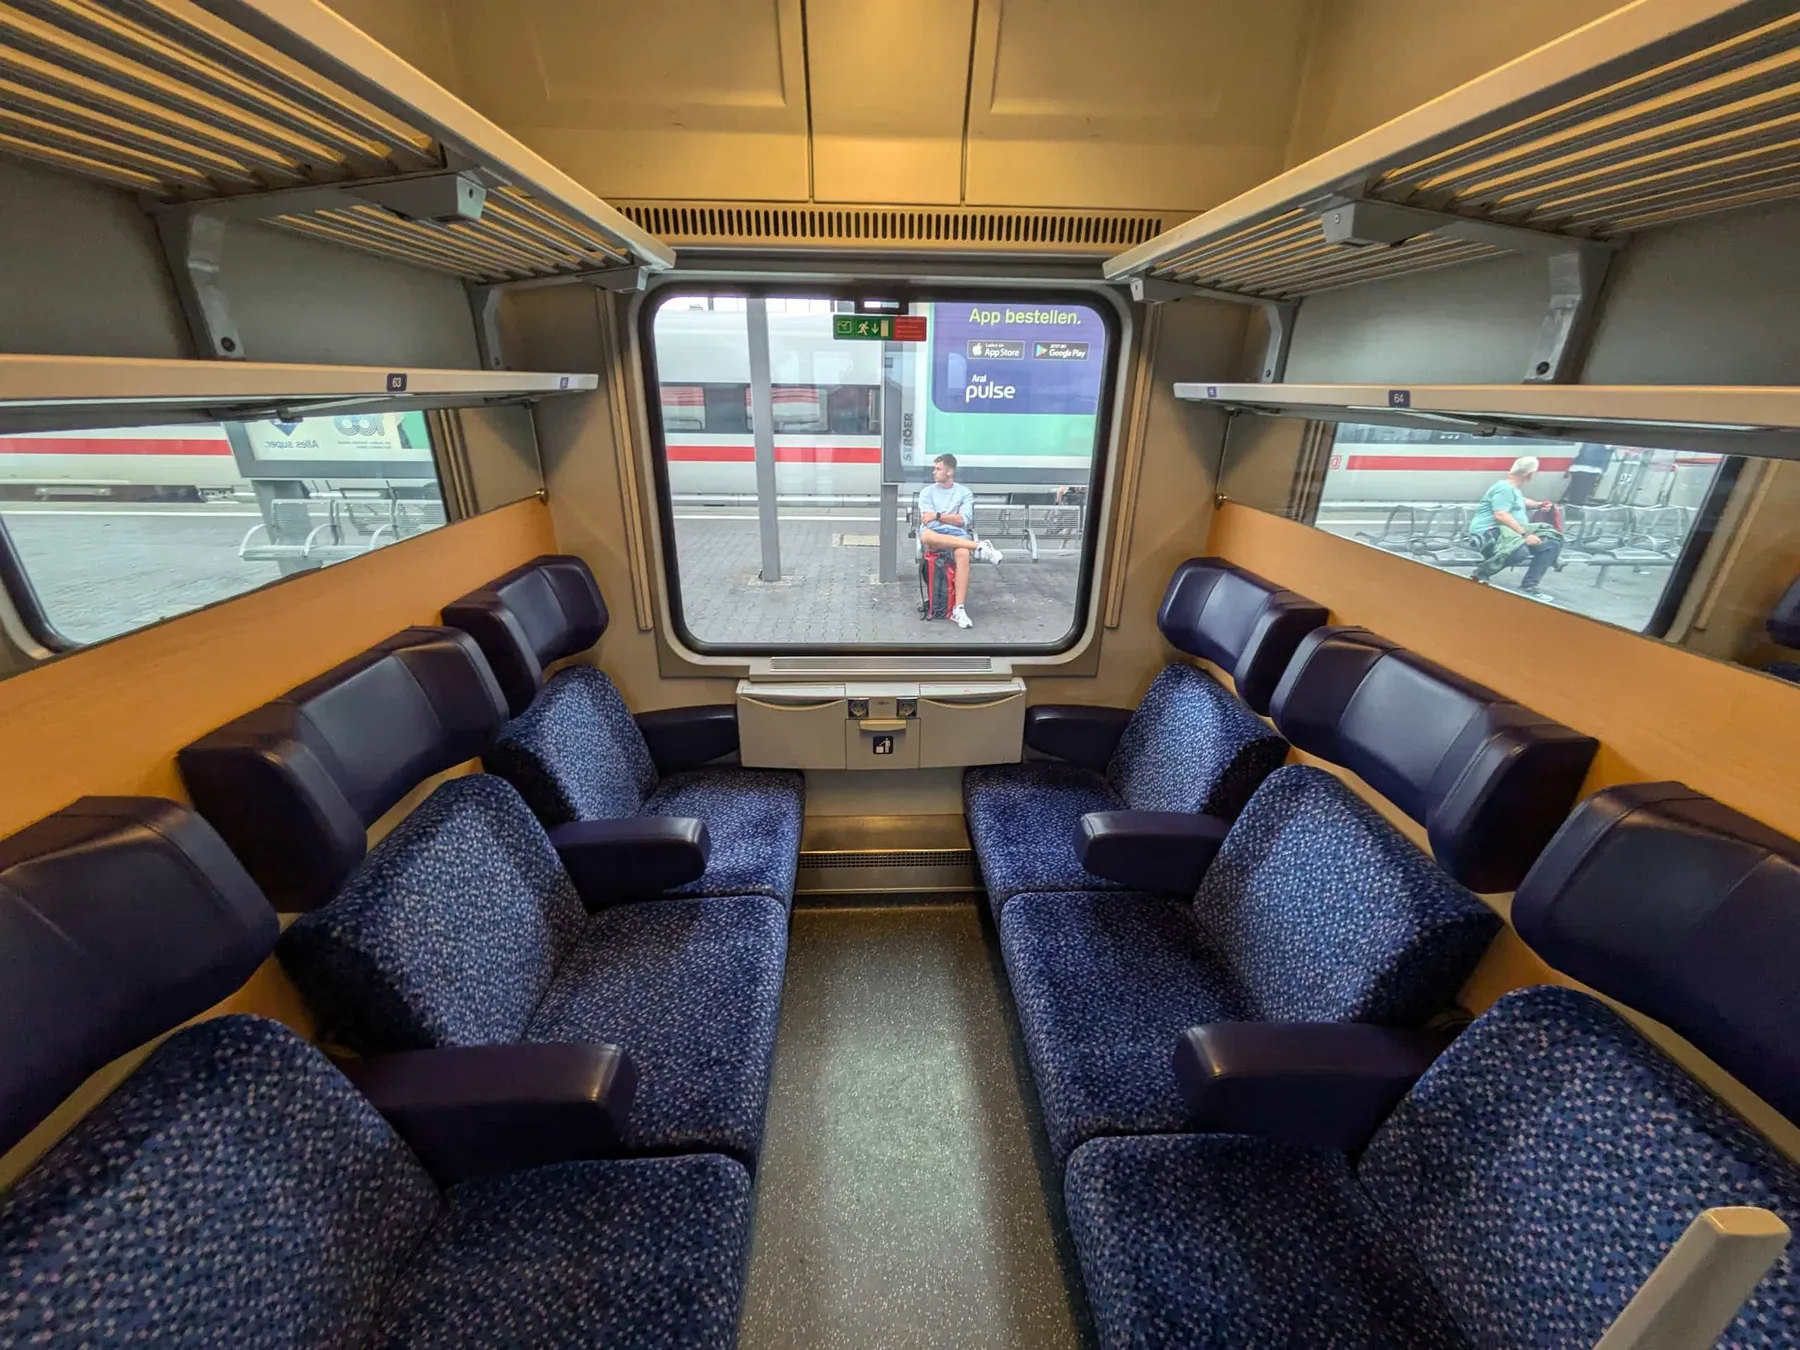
[(295, 784), (1238, 621), (120, 918), (1489, 780), (1685, 911), (548, 609), (1784, 619)]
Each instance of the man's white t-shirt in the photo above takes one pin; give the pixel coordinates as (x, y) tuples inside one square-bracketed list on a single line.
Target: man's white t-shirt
[(955, 500)]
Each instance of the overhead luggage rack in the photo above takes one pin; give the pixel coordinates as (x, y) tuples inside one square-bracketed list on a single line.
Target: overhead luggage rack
[(282, 111), (1728, 419), (47, 392), (1660, 112)]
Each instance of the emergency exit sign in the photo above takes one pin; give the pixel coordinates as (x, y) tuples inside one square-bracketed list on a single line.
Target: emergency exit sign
[(879, 327)]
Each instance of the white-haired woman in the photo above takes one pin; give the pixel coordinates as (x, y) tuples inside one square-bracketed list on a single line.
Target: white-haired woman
[(1502, 525)]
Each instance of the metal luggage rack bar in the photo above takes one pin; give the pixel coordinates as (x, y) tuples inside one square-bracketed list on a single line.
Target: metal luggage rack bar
[(1660, 112), (281, 111)]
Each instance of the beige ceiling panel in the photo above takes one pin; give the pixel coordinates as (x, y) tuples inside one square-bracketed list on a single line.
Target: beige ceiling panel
[(890, 81), (683, 98), (1135, 103), (417, 31)]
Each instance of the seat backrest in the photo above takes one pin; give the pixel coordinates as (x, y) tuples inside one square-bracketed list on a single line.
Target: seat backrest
[(1784, 619), (1683, 910), (1545, 1164), (234, 1190), (1242, 623), (449, 932), (295, 784), (575, 753), (1191, 746), (1323, 912), (120, 917), (1489, 779), (538, 613)]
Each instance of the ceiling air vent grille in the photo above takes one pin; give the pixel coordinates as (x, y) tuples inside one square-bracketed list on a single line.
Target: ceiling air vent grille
[(693, 224)]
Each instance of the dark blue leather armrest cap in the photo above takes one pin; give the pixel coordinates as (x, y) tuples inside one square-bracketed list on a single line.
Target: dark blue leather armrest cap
[(1322, 1085), (686, 738), (1165, 851), (1076, 732), (611, 860), (472, 1109)]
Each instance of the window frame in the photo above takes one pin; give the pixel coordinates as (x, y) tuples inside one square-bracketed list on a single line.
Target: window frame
[(907, 292), (24, 597)]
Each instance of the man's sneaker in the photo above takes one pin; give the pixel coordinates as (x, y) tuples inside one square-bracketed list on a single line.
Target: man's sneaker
[(986, 552), (961, 617)]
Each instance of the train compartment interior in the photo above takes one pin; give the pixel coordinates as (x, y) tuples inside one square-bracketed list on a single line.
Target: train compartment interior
[(843, 674)]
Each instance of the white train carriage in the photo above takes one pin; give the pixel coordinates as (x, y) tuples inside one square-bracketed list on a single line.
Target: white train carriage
[(138, 463)]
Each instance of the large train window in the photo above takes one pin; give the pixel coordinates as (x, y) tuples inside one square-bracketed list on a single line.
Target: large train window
[(918, 450), (1610, 531), (103, 531)]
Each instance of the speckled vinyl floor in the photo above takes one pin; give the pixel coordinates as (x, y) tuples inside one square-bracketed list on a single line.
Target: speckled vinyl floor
[(899, 1201)]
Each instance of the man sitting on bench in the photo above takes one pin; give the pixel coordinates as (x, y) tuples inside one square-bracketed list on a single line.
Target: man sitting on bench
[(946, 525)]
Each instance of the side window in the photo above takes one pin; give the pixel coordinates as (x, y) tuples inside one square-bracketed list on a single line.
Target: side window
[(1611, 530), (942, 441), (112, 529)]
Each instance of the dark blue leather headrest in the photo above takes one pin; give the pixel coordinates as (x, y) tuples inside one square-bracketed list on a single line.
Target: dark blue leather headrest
[(1686, 911), (548, 609), (1784, 619), (1238, 621), (295, 784), (120, 918), (1489, 780)]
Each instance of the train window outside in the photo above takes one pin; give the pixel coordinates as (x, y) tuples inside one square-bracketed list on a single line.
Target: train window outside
[(104, 531), (1015, 390), (1614, 530)]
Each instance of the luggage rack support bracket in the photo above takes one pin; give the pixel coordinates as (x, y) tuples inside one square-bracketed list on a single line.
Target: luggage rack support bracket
[(484, 302), (1578, 266), (1278, 315), (193, 244)]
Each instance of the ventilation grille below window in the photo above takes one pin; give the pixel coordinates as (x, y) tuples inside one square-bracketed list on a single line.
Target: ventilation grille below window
[(882, 665), (936, 857), (687, 224)]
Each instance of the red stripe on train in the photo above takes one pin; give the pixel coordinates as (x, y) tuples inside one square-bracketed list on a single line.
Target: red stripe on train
[(99, 445), (1452, 463), (784, 454)]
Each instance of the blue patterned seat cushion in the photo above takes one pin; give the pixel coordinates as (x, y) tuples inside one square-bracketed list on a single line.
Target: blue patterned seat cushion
[(1193, 745), (1222, 1242), (645, 1252), (234, 1190), (1315, 910), (753, 817), (691, 989), (575, 753), (448, 934), (1324, 912), (1023, 820), (1104, 982), (1190, 746), (1544, 1165)]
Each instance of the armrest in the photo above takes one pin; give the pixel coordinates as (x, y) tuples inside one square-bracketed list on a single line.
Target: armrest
[(1325, 1085), (1076, 732), (1150, 850), (686, 738), (467, 1110), (630, 859)]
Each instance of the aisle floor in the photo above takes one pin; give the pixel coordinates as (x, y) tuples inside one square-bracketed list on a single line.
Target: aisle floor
[(899, 1199)]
